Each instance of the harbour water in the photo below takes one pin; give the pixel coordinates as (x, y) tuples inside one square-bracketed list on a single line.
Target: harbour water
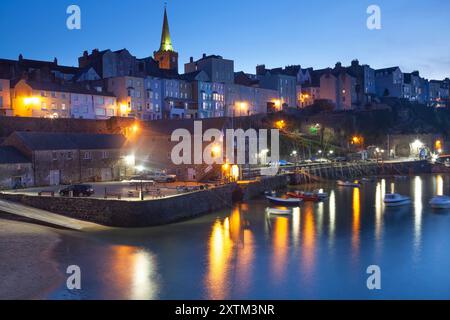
[(322, 251)]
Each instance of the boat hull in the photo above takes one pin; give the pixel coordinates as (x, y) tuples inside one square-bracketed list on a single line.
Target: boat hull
[(278, 212), (397, 203), (284, 202), (303, 196)]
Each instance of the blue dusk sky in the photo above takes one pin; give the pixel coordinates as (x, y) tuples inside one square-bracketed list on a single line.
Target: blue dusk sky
[(313, 33)]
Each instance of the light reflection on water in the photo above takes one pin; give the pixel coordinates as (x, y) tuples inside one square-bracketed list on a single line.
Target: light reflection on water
[(321, 251)]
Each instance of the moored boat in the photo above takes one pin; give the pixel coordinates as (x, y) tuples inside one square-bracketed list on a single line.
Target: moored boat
[(284, 201), (440, 202), (322, 195), (306, 196), (395, 199), (348, 184), (281, 212)]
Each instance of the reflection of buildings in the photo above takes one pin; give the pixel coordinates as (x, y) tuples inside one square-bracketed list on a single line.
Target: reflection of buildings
[(308, 240), (133, 272), (230, 250), (356, 221)]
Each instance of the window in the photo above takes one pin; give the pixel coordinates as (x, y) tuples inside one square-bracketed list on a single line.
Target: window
[(75, 97), (100, 112), (87, 155), (69, 155), (54, 106), (43, 94), (53, 94), (54, 156), (43, 106), (100, 100), (105, 155), (1, 102)]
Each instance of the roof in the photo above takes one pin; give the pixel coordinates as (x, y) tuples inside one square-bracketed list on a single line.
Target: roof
[(243, 79), (40, 141), (388, 70), (9, 155), (192, 76), (167, 127), (65, 87)]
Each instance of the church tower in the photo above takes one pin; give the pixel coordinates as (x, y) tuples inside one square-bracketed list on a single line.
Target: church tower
[(166, 56)]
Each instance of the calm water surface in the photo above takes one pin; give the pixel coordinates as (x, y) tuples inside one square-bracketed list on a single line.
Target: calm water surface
[(322, 251)]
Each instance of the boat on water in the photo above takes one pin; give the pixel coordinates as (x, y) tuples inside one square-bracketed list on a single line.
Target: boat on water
[(279, 212), (322, 195), (305, 196), (348, 184), (284, 201), (440, 202), (395, 199), (367, 180)]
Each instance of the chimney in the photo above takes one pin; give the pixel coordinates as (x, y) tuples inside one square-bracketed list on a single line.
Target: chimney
[(204, 55), (355, 63), (191, 60), (55, 61), (85, 53), (338, 65), (260, 69), (20, 57)]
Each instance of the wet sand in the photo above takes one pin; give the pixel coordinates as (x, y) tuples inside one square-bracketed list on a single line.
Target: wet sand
[(27, 269)]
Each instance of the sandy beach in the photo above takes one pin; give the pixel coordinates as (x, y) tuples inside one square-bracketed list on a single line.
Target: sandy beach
[(27, 269)]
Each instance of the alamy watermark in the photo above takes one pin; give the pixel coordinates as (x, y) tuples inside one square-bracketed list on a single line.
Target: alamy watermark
[(239, 147), (374, 280), (374, 19), (73, 22), (74, 280)]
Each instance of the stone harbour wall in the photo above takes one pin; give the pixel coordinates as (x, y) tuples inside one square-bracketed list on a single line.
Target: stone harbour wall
[(132, 214)]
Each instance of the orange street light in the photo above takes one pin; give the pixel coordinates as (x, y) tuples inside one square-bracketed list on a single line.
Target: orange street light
[(280, 124), (31, 100)]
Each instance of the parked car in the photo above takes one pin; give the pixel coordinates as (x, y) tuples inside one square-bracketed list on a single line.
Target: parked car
[(160, 177), (79, 190)]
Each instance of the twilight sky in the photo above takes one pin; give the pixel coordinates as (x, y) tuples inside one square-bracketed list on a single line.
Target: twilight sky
[(313, 33)]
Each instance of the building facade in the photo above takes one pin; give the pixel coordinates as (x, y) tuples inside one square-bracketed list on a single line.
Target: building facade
[(218, 69), (66, 158), (389, 82), (5, 97), (15, 169)]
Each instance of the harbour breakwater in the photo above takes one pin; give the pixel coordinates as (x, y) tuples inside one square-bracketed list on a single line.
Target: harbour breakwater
[(134, 214)]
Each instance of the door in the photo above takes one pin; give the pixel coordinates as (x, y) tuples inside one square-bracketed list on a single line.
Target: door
[(54, 177), (106, 174), (191, 174)]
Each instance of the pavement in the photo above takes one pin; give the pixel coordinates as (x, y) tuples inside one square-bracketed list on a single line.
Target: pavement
[(128, 191)]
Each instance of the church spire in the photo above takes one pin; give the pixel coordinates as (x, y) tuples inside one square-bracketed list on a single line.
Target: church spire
[(166, 42)]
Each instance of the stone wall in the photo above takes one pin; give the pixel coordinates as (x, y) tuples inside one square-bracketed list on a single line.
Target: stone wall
[(132, 214), (257, 188), (112, 126)]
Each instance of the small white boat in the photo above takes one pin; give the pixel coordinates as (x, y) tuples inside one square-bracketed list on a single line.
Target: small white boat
[(280, 212), (395, 199), (321, 195), (348, 184), (440, 202), (284, 201)]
